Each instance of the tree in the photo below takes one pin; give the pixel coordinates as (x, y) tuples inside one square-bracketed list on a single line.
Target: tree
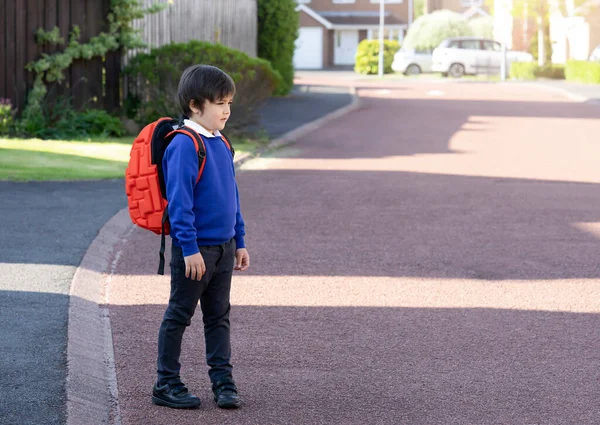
[(420, 9), (482, 26), (277, 32), (429, 31), (540, 11)]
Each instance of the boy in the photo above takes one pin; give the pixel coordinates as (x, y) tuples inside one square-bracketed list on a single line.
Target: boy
[(207, 230)]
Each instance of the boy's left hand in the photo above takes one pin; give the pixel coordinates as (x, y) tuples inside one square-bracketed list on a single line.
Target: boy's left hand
[(242, 259)]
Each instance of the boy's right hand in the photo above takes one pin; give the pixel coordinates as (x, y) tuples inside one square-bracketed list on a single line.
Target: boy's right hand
[(194, 266)]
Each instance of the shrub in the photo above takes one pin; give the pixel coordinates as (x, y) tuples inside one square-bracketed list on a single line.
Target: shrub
[(555, 72), (6, 116), (429, 31), (482, 26), (367, 56), (153, 79), (583, 71), (58, 120), (531, 71), (523, 70), (534, 45), (277, 32)]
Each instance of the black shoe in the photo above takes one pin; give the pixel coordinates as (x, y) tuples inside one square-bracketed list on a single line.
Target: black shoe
[(175, 396), (226, 394)]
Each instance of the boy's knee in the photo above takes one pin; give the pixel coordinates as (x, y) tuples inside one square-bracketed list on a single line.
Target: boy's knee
[(180, 315)]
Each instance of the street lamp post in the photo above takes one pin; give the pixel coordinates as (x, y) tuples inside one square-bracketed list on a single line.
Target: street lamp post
[(381, 14)]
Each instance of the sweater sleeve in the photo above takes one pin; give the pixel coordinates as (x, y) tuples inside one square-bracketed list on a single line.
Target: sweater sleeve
[(180, 165), (240, 230)]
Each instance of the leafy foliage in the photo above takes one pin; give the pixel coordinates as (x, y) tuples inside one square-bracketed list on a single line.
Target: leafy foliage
[(277, 32), (429, 31), (6, 116), (531, 71), (154, 78), (58, 120), (482, 26), (51, 67), (367, 56), (583, 72)]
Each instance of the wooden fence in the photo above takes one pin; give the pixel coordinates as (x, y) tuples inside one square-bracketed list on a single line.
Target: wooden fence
[(230, 22), (93, 83), (97, 82)]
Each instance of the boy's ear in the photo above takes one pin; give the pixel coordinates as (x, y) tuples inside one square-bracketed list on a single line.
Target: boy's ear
[(194, 107)]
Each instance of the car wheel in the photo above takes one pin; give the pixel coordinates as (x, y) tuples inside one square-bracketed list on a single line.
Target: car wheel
[(413, 69), (456, 70)]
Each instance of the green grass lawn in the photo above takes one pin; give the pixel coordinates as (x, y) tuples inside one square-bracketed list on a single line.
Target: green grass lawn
[(97, 158)]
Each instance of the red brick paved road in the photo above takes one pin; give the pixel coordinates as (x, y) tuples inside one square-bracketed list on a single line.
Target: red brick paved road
[(431, 258)]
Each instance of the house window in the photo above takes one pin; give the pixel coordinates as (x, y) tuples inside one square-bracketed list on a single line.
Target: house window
[(387, 1), (344, 1)]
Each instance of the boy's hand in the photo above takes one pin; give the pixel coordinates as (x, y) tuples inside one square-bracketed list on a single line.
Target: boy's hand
[(194, 266), (242, 259)]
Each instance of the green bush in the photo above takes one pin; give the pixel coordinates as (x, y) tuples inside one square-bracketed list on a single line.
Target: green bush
[(531, 71), (427, 32), (523, 70), (583, 71), (555, 72), (277, 32), (153, 79), (533, 45), (482, 26), (56, 119), (6, 116), (367, 56)]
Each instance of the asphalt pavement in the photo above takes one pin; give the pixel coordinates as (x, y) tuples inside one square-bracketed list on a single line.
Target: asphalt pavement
[(47, 227)]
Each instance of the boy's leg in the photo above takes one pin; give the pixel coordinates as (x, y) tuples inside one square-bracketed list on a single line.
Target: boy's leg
[(185, 294), (214, 302)]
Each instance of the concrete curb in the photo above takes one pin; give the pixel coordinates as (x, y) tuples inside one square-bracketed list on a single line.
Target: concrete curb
[(92, 394), (91, 379), (564, 92), (291, 136)]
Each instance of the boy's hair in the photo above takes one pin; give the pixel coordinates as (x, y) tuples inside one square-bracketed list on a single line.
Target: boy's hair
[(203, 82)]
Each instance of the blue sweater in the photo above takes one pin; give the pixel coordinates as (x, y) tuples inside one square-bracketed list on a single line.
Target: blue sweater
[(207, 213)]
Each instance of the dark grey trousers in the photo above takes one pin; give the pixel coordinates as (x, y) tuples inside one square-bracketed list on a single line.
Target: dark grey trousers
[(213, 293)]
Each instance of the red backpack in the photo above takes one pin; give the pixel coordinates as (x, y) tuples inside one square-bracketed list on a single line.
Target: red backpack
[(144, 179)]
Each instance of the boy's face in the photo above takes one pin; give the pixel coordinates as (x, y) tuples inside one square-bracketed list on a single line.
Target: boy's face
[(215, 114)]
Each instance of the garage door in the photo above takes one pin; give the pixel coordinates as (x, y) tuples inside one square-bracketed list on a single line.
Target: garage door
[(309, 48)]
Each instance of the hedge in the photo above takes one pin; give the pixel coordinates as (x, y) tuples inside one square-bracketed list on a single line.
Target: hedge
[(531, 71), (277, 32), (153, 79), (367, 56), (583, 72)]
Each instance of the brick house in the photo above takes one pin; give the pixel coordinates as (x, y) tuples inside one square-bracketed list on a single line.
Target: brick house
[(330, 30)]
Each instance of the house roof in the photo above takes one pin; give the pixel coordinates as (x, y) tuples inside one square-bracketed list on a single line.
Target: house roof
[(354, 19), (359, 18), (474, 11)]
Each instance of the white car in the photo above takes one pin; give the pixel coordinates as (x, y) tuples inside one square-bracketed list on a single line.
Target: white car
[(411, 61), (472, 55)]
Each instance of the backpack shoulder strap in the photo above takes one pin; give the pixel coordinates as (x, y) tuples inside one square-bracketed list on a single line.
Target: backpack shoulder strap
[(229, 145), (198, 144)]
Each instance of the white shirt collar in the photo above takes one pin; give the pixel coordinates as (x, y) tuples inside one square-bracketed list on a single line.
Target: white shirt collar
[(200, 129)]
